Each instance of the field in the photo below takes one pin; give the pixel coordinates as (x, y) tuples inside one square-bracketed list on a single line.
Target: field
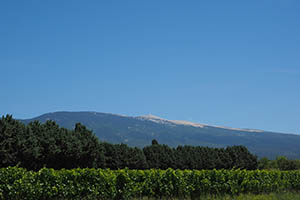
[(18, 183), (272, 196)]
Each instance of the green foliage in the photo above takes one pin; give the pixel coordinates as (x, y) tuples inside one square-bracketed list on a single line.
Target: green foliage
[(271, 196), (11, 132), (160, 156), (189, 157), (37, 145), (18, 183), (280, 163), (242, 158)]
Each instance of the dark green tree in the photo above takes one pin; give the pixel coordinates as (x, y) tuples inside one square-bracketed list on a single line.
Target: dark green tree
[(242, 158), (160, 156), (10, 131), (283, 163)]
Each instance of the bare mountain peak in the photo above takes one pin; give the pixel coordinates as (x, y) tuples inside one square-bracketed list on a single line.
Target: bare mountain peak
[(187, 123), (150, 116), (157, 119)]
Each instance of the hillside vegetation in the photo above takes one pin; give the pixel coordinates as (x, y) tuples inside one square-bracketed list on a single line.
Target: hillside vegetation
[(37, 145), (139, 131)]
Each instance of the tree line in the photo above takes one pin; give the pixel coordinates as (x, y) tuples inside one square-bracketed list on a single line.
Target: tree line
[(281, 163), (35, 145)]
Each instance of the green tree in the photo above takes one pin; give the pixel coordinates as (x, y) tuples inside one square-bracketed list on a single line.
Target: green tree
[(264, 163), (284, 164), (10, 139), (160, 156), (90, 151), (242, 158)]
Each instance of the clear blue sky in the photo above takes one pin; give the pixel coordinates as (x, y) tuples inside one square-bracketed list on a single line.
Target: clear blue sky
[(233, 63)]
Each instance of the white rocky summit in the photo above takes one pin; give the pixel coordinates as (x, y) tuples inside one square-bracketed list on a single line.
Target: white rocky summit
[(160, 120)]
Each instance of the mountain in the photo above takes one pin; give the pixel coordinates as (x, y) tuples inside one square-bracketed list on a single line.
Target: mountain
[(139, 131)]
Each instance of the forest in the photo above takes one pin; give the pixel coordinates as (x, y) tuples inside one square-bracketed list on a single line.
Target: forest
[(37, 145)]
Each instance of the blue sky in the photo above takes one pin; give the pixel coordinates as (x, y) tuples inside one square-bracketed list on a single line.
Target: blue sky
[(232, 63)]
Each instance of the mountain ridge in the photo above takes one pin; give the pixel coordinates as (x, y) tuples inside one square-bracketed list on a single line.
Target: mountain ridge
[(139, 131)]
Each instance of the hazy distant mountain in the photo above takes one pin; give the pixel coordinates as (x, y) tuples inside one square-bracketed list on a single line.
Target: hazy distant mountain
[(139, 131)]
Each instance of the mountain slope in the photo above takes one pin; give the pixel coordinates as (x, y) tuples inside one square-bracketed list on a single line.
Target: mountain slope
[(139, 131)]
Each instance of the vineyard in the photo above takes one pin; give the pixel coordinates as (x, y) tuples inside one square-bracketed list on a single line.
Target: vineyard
[(18, 183)]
